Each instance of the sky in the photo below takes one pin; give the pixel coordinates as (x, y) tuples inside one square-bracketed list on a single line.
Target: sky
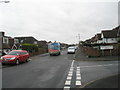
[(58, 20)]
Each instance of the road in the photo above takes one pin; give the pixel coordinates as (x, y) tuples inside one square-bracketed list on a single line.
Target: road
[(56, 72)]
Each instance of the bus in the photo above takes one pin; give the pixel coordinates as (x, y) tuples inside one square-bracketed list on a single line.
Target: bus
[(54, 48)]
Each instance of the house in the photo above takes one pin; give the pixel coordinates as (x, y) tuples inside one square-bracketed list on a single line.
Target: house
[(117, 29), (93, 40), (8, 43), (29, 39), (42, 44), (109, 36), (98, 38)]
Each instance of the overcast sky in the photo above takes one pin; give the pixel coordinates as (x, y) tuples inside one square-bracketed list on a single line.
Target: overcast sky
[(58, 20)]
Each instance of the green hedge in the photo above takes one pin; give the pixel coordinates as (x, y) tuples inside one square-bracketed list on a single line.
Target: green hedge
[(30, 47)]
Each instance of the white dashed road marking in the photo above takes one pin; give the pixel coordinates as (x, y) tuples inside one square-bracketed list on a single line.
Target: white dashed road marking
[(78, 82), (78, 78), (67, 88), (67, 82), (70, 75)]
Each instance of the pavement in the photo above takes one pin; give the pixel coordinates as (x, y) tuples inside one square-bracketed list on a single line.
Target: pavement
[(108, 82), (80, 56)]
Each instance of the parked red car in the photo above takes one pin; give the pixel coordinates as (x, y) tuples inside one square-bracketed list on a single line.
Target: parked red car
[(15, 56)]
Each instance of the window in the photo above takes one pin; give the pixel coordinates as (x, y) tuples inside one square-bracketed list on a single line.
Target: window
[(24, 53), (16, 41), (5, 40)]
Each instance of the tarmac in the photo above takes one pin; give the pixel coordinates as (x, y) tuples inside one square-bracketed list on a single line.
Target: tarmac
[(108, 82)]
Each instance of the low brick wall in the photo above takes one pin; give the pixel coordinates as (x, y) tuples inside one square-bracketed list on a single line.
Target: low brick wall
[(94, 52), (91, 52)]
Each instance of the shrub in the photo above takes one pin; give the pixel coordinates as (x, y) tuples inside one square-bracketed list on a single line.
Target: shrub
[(30, 47)]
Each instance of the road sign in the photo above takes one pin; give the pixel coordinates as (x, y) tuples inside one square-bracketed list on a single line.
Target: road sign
[(106, 47)]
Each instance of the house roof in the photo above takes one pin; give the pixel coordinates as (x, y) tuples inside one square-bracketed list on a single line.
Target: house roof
[(98, 36), (117, 29), (109, 33), (29, 39), (114, 33), (93, 39)]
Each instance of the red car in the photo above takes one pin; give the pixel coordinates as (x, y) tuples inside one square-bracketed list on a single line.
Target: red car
[(15, 56)]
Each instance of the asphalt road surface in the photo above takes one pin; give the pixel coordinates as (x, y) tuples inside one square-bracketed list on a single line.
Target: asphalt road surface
[(56, 72)]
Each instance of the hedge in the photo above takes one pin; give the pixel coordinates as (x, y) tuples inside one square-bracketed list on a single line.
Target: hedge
[(30, 47)]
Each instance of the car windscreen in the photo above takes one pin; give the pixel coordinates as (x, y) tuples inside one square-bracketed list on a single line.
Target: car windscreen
[(13, 53)]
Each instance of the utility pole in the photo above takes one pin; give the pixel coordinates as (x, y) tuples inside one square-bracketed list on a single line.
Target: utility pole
[(78, 36)]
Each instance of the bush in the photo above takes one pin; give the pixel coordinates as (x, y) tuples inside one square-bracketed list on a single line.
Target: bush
[(30, 47)]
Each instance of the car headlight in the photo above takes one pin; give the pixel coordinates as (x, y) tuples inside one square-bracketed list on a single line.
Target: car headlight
[(1, 58), (12, 58)]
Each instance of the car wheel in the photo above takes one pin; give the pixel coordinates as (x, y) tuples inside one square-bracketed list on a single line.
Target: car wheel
[(17, 62), (3, 63), (27, 59)]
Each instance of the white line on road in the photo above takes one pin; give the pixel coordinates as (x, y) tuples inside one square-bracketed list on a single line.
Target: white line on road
[(66, 88), (78, 77), (67, 82), (78, 72), (69, 77), (70, 72), (99, 65), (78, 67), (78, 82)]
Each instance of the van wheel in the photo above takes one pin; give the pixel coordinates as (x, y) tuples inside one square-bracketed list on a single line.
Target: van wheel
[(17, 62), (51, 55)]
